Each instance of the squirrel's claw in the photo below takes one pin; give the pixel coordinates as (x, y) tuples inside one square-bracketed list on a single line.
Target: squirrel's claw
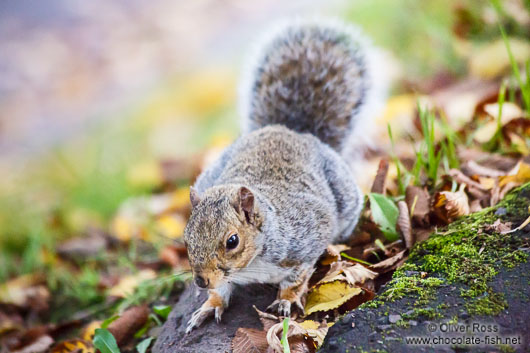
[(218, 312), (280, 306), (198, 317)]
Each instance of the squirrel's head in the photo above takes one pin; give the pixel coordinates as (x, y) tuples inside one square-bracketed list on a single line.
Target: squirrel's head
[(221, 233)]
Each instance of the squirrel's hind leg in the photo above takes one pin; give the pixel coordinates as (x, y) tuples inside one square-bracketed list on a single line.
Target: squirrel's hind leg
[(215, 305), (291, 291)]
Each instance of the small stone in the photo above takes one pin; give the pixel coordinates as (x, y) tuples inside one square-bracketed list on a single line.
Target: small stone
[(408, 313), (501, 211), (352, 324), (413, 323), (411, 273), (383, 327), (394, 318), (382, 320), (464, 315)]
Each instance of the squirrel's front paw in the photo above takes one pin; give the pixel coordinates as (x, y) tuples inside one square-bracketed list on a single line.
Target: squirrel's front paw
[(202, 314), (283, 307)]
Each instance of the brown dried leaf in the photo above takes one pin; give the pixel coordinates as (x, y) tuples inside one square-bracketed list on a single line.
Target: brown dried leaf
[(124, 327), (34, 340), (83, 247), (391, 263), (404, 225), (379, 182), (471, 168), (333, 253), (345, 271), (419, 202), (249, 340), (267, 320), (499, 227), (26, 291), (450, 205), (274, 333)]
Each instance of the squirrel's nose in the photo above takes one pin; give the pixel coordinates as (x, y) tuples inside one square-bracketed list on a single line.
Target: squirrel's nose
[(201, 281)]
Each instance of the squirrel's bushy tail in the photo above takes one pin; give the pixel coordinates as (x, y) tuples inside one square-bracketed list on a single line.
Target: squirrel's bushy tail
[(312, 76)]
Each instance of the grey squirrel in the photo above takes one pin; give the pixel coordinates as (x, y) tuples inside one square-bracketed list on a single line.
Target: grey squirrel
[(281, 193)]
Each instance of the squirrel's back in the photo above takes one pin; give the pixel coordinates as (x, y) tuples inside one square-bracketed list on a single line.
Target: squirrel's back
[(314, 77)]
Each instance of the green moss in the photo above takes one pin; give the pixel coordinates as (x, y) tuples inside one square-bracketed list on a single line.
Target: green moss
[(403, 324), (430, 313), (464, 253), (489, 304)]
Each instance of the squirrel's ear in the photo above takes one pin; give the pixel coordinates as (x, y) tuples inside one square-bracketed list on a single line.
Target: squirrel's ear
[(194, 197), (245, 203)]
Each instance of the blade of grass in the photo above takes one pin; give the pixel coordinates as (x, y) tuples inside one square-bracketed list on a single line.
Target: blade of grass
[(284, 341)]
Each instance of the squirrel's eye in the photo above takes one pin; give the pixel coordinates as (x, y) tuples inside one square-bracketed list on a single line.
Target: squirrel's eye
[(232, 242)]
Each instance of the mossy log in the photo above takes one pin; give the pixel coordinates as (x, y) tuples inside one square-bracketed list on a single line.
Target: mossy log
[(468, 277)]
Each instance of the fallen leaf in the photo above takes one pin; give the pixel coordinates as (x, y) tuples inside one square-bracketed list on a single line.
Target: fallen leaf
[(520, 174), (124, 327), (345, 271), (471, 168), (316, 331), (90, 330), (40, 344), (404, 225), (491, 60), (128, 284), (379, 182), (294, 329), (74, 346), (384, 214), (267, 320), (250, 340), (83, 247), (25, 291), (391, 263), (329, 296), (105, 342), (450, 205), (509, 111), (419, 202), (171, 226), (333, 253), (142, 346), (499, 227)]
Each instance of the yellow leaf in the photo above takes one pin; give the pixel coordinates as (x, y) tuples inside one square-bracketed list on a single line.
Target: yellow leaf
[(75, 345), (520, 175), (90, 330), (492, 59), (21, 290), (171, 226), (180, 199), (310, 325), (128, 284), (329, 296), (122, 228), (145, 174), (313, 330)]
